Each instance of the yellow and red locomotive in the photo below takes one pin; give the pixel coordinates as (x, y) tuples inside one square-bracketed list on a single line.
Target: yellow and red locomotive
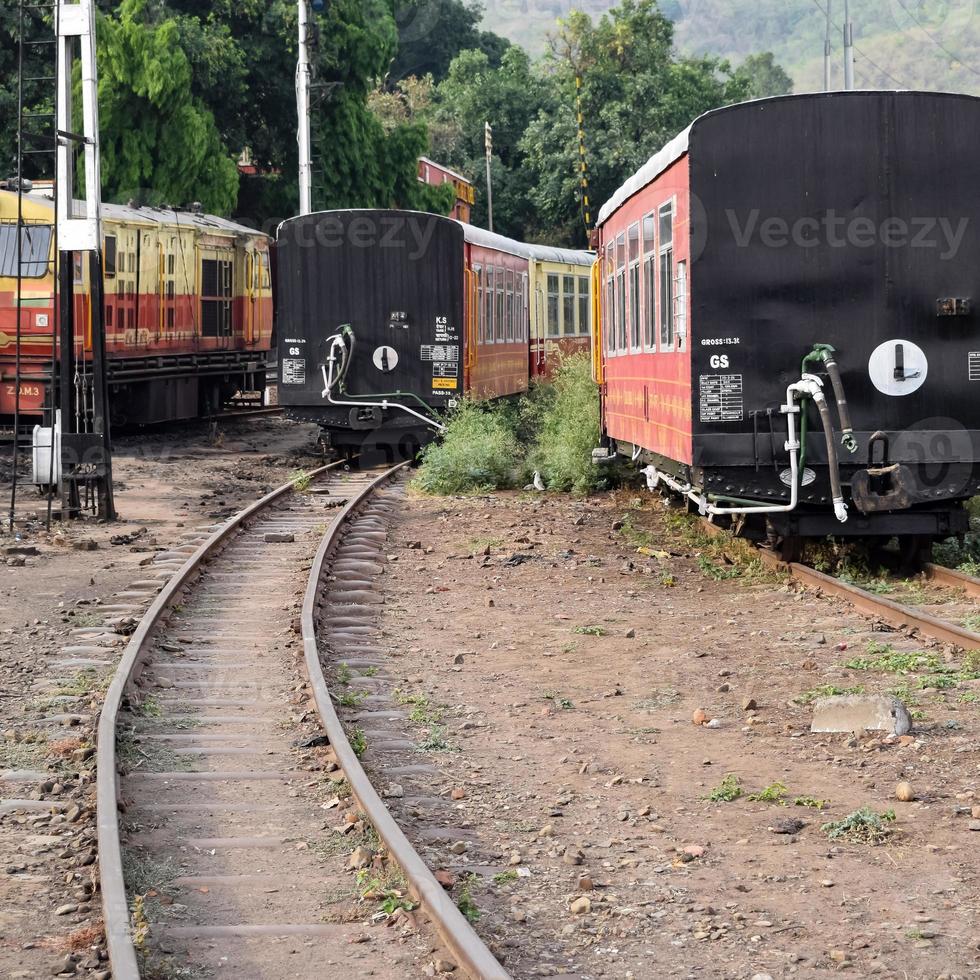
[(188, 309)]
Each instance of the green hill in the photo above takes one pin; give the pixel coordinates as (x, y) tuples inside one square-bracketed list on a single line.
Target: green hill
[(922, 44)]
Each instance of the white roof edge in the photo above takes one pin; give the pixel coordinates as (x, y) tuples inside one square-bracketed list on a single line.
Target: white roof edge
[(669, 153), (148, 214)]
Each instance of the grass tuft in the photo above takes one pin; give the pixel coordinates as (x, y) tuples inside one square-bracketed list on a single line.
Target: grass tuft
[(727, 791)]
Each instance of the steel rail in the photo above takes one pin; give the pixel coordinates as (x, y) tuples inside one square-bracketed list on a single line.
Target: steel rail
[(115, 908), (471, 953), (894, 614), (952, 578)]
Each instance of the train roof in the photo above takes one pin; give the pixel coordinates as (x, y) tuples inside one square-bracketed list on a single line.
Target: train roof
[(147, 214), (540, 253), (672, 152)]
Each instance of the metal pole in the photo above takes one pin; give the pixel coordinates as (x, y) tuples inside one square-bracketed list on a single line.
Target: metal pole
[(20, 251), (100, 381), (488, 142), (848, 48), (826, 52), (303, 111)]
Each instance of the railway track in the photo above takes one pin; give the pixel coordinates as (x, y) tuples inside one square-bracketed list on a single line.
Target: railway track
[(216, 845), (898, 615)]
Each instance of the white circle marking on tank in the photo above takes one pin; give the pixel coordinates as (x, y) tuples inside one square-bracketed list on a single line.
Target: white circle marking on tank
[(385, 359), (898, 367)]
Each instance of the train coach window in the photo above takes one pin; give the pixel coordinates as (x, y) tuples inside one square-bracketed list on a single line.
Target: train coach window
[(680, 305), (523, 308), (666, 300), (568, 304), (634, 285), (650, 301), (488, 307), (509, 315), (553, 306), (216, 294), (499, 309), (666, 224), (584, 307), (609, 307), (35, 245), (478, 272), (621, 293), (109, 257), (666, 214)]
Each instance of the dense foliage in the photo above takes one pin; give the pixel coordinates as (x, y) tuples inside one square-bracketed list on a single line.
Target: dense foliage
[(187, 86), (550, 431)]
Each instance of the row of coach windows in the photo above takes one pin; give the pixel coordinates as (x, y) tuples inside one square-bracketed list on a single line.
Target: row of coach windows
[(567, 307), (502, 304), (646, 290)]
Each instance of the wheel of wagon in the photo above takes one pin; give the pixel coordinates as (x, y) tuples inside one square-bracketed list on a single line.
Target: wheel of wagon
[(791, 548), (914, 550)]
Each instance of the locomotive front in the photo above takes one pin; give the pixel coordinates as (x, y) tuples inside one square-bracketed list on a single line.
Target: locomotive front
[(370, 322)]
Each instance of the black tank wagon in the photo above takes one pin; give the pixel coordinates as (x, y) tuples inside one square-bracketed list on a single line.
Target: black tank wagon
[(821, 370)]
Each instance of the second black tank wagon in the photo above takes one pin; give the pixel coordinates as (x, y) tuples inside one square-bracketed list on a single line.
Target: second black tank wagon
[(386, 319)]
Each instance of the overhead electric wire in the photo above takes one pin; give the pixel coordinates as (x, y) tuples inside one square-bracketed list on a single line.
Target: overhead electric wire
[(939, 44), (870, 61)]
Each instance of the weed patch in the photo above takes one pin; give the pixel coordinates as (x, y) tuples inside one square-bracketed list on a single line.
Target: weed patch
[(478, 451), (569, 430), (727, 791), (465, 902), (826, 691), (863, 826), (773, 793), (591, 630), (436, 740), (809, 801)]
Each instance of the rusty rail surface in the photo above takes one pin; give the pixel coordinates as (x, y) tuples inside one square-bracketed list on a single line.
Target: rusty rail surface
[(895, 614), (470, 951)]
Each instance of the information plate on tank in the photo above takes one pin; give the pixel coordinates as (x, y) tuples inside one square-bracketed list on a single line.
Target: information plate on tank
[(440, 352), (444, 369), (974, 356), (721, 397), (293, 371)]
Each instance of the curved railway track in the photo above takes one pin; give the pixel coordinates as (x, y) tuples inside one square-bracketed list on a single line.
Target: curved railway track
[(200, 782), (898, 615)]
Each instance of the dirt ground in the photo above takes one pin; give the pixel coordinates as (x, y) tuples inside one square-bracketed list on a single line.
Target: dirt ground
[(56, 656), (551, 673)]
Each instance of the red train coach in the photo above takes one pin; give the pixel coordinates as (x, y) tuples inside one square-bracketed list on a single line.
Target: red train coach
[(789, 326)]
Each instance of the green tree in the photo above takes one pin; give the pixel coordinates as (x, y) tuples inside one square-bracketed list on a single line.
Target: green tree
[(432, 32), (763, 77), (636, 94), (159, 142), (508, 97)]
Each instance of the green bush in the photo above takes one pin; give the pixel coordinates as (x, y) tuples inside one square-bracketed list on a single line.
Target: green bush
[(478, 451), (569, 430)]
